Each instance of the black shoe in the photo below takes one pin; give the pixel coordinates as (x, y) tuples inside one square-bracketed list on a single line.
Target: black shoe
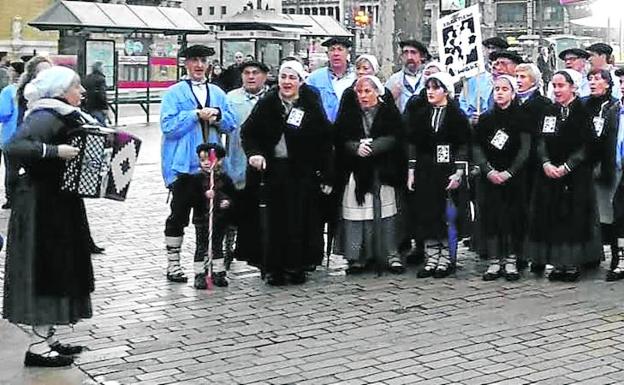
[(67, 349), (177, 278), (511, 277), (355, 269), (275, 279), (443, 271), (297, 278), (6, 205), (220, 279), (200, 281), (95, 249), (396, 268), (425, 273), (487, 276), (556, 275), (613, 275), (571, 275), (40, 360), (537, 268)]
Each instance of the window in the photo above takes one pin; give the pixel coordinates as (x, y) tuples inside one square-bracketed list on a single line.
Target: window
[(223, 10), (322, 11), (200, 11), (511, 12), (211, 11), (330, 11), (552, 13)]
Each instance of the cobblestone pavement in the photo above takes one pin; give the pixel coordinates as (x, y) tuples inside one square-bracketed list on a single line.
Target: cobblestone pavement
[(334, 329)]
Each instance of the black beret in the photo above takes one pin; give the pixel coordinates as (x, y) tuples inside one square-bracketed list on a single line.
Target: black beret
[(511, 55), (573, 51), (344, 41), (197, 50), (619, 71), (206, 147), (418, 45), (497, 42), (253, 63), (26, 58), (18, 66), (600, 48)]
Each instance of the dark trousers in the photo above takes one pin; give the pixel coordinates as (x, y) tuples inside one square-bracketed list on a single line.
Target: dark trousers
[(185, 196)]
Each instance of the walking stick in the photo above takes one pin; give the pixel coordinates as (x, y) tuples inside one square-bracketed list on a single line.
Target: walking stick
[(213, 161)]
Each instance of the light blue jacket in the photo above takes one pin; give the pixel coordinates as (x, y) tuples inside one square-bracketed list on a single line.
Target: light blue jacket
[(407, 92), (181, 131), (483, 85), (321, 79), (8, 113), (235, 162)]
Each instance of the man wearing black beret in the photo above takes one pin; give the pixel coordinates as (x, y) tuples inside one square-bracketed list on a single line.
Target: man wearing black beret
[(192, 112), (409, 81), (333, 80), (601, 58), (575, 59)]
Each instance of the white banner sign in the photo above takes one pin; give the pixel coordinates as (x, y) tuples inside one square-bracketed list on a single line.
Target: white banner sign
[(459, 39)]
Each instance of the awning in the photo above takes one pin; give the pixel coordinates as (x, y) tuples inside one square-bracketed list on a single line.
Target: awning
[(321, 26), (117, 18)]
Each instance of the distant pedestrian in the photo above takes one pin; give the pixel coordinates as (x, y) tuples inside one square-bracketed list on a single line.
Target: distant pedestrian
[(96, 103), (232, 75)]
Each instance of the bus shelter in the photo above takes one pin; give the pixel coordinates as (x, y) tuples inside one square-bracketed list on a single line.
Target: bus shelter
[(137, 38)]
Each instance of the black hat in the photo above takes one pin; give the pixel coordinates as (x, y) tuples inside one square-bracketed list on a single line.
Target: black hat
[(18, 66), (574, 51), (206, 147), (619, 72), (254, 63), (497, 42), (26, 58), (197, 50), (424, 52), (511, 55), (345, 41), (600, 48)]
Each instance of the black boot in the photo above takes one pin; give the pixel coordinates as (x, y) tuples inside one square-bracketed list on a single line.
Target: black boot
[(47, 361)]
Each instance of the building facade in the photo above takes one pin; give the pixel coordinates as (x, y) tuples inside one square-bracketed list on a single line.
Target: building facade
[(16, 37)]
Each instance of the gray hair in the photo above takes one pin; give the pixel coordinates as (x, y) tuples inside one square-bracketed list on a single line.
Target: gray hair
[(533, 72)]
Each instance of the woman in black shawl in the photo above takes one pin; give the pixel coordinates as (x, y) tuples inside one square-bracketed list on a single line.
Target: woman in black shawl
[(501, 150), (563, 213), (438, 134), (369, 136)]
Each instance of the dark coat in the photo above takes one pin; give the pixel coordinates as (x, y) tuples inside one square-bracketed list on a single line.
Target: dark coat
[(428, 202), (46, 224), (95, 84), (563, 210), (292, 185), (603, 149), (388, 158), (503, 207)]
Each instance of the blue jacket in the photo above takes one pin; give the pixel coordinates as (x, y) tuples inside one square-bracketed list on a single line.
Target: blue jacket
[(181, 129), (468, 98), (8, 113), (398, 78), (321, 80), (235, 162)]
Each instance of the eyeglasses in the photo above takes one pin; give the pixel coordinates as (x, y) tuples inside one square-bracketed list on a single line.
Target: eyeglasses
[(570, 58)]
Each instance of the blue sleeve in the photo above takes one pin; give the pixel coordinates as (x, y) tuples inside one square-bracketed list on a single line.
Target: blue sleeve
[(228, 119), (174, 122), (7, 104)]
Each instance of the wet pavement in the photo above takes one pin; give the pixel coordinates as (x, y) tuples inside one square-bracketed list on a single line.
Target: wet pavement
[(332, 330)]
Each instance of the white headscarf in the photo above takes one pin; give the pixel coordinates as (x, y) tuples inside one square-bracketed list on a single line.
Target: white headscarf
[(577, 78), (294, 66), (436, 64), (371, 59), (50, 83), (512, 82), (381, 90), (447, 80)]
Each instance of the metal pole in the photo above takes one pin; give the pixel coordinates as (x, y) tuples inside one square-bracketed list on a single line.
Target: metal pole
[(149, 78)]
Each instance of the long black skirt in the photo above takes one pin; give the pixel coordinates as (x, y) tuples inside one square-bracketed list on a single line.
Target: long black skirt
[(295, 222)]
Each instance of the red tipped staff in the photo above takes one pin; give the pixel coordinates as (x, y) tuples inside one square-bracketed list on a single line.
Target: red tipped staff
[(212, 157)]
